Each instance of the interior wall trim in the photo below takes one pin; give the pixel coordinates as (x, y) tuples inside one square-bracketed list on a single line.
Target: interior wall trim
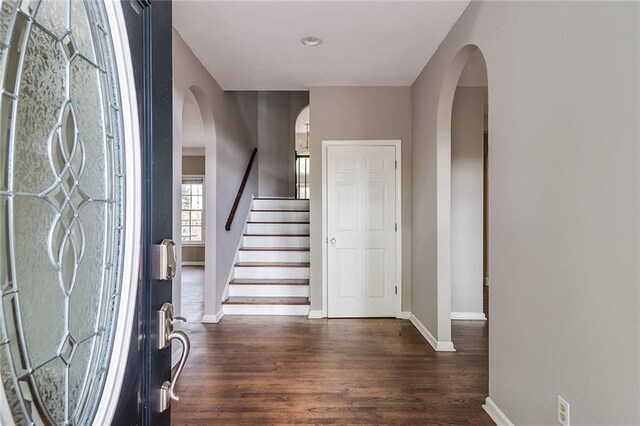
[(496, 414), (213, 319), (468, 316), (435, 344)]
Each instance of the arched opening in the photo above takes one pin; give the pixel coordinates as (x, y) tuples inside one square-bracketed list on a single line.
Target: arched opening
[(468, 188), (194, 173), (462, 193), (303, 135)]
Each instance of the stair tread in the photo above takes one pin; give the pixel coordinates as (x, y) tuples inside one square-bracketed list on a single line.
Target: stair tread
[(268, 281), (275, 235), (267, 301), (274, 248), (251, 222), (282, 210), (273, 264), (281, 198)]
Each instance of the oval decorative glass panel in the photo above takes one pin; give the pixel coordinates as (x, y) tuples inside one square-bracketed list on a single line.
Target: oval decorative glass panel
[(62, 208)]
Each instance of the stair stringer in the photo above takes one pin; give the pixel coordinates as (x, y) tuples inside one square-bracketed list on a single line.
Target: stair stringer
[(236, 257)]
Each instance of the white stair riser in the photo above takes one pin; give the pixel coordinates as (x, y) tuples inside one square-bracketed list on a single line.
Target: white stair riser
[(268, 241), (279, 216), (266, 309), (281, 204), (269, 290), (260, 272), (278, 228), (273, 256)]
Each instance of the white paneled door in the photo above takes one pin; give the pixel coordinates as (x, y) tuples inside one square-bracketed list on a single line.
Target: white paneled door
[(361, 231)]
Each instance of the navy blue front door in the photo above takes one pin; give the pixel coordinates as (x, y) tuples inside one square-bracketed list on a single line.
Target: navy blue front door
[(149, 32)]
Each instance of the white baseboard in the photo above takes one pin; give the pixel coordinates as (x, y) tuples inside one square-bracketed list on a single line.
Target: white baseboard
[(192, 263), (294, 310), (404, 315), (438, 346), (316, 314), (496, 413), (212, 319), (468, 316)]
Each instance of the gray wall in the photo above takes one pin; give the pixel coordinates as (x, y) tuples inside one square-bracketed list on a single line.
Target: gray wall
[(467, 171), (277, 113), (193, 165), (242, 112), (235, 134), (359, 113), (564, 204)]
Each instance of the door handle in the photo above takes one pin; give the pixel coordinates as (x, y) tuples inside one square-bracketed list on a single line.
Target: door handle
[(332, 241), (166, 334), (166, 320), (167, 391)]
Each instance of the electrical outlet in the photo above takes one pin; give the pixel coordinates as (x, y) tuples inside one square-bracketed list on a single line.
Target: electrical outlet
[(563, 412)]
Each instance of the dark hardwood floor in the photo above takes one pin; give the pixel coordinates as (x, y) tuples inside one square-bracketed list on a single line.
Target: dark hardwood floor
[(291, 370)]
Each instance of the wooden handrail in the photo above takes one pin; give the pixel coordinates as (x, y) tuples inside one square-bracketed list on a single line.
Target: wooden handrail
[(245, 178)]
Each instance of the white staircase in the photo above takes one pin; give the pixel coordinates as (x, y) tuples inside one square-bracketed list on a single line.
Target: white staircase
[(271, 275)]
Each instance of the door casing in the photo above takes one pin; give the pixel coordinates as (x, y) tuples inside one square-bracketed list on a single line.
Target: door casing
[(397, 143)]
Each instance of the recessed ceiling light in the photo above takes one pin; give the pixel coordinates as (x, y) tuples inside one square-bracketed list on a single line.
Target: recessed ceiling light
[(311, 41)]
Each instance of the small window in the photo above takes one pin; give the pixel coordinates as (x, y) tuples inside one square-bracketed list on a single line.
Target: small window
[(302, 176), (193, 210)]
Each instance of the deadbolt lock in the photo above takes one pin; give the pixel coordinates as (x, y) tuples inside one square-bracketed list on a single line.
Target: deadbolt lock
[(163, 264)]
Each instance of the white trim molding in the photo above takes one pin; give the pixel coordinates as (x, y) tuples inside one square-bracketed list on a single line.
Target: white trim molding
[(468, 316), (496, 414), (212, 319), (438, 346), (192, 244), (192, 263), (236, 256), (316, 314), (405, 315)]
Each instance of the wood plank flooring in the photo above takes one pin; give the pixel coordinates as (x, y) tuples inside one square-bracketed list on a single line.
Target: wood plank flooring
[(291, 370)]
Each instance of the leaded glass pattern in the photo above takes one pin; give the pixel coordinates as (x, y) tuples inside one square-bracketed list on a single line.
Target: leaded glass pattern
[(61, 207)]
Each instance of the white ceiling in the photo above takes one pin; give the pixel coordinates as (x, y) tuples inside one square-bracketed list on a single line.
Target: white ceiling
[(255, 45)]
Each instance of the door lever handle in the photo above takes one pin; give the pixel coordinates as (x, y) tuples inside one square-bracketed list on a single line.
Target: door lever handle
[(166, 320), (167, 391)]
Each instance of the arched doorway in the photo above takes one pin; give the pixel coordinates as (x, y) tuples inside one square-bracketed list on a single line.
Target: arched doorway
[(462, 192), (194, 205), (468, 189)]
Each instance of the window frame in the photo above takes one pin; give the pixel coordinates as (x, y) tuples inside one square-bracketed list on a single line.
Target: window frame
[(190, 180)]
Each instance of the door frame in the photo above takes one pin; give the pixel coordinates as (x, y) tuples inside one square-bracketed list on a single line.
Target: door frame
[(397, 144)]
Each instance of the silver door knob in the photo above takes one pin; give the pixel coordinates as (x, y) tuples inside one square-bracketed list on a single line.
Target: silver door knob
[(332, 241)]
